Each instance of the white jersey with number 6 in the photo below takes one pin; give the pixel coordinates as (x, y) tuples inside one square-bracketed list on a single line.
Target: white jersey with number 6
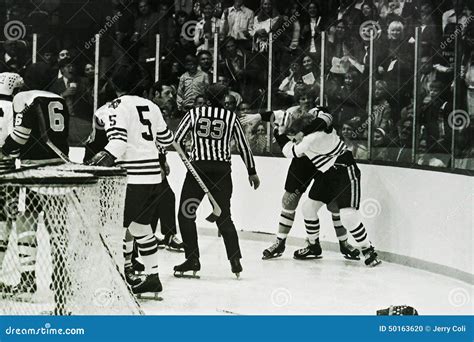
[(132, 125), (6, 119)]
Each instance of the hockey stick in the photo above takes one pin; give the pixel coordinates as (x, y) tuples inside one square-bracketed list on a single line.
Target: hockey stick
[(216, 210)]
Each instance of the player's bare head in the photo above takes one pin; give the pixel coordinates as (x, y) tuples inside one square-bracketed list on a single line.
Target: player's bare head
[(215, 94), (39, 76), (299, 124), (165, 90), (122, 80), (10, 83)]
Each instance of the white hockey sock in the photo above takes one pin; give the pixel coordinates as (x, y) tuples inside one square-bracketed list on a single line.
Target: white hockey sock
[(312, 230), (287, 217), (360, 235), (341, 232), (148, 249)]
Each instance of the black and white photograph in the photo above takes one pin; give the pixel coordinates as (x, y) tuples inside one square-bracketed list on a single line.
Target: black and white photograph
[(237, 158)]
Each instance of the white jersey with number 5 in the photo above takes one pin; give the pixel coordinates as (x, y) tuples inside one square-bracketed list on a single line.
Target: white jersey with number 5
[(132, 125)]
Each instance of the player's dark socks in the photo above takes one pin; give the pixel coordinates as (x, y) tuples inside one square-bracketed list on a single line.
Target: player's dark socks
[(151, 283), (349, 251), (275, 250), (370, 255), (311, 251), (236, 266), (190, 264), (132, 278)]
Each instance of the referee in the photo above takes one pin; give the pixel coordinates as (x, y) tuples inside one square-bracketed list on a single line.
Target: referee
[(212, 127)]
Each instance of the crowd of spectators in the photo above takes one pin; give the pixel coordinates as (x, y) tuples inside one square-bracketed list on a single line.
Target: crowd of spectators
[(128, 29)]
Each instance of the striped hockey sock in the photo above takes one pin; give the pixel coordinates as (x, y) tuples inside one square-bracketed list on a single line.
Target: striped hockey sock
[(4, 236), (127, 252), (287, 217), (341, 232), (360, 235), (312, 230), (148, 249)]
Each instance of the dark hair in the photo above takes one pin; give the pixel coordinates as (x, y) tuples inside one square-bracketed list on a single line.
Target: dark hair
[(122, 80), (158, 86), (215, 94), (203, 52), (39, 76), (64, 62), (190, 58)]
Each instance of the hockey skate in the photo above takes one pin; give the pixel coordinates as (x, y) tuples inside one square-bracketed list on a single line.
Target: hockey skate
[(172, 243), (151, 284), (311, 251), (276, 250), (371, 257), (236, 267), (348, 251), (132, 278), (191, 264)]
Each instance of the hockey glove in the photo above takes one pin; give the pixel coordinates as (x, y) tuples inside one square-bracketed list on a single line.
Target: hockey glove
[(103, 158)]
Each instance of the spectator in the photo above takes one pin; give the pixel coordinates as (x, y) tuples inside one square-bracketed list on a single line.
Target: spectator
[(14, 57), (345, 47), (369, 11), (287, 86), (205, 60), (200, 101), (146, 28), (401, 148), (185, 6), (191, 84), (427, 75), (434, 117), (237, 23), (311, 29), (429, 37), (268, 19), (259, 140), (230, 103), (236, 64), (75, 91), (348, 133), (350, 15), (309, 73), (224, 80), (379, 149), (205, 28), (457, 14), (124, 29), (381, 110), (348, 101)]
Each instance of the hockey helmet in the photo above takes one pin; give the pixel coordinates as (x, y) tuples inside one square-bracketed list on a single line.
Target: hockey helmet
[(9, 81)]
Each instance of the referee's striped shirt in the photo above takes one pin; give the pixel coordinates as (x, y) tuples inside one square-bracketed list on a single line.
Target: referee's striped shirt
[(212, 129)]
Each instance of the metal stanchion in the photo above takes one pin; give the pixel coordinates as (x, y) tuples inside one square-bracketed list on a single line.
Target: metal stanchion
[(157, 58), (96, 72)]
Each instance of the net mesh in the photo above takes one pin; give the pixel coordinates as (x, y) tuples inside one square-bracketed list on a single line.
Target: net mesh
[(55, 256)]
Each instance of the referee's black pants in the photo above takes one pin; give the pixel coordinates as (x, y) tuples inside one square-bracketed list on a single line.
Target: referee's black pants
[(217, 177)]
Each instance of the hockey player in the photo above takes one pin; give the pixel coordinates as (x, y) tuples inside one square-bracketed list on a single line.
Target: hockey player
[(132, 125), (339, 183), (10, 83), (212, 128), (300, 174), (25, 141)]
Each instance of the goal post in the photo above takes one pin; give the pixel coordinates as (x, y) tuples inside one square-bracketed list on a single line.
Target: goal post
[(72, 218)]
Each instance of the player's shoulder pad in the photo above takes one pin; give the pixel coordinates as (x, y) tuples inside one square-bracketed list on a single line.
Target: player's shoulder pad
[(26, 99), (114, 104)]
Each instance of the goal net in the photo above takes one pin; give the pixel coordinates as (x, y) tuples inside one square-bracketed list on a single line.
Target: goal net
[(58, 228)]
